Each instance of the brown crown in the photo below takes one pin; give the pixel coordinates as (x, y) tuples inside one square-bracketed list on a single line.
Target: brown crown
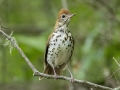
[(63, 11)]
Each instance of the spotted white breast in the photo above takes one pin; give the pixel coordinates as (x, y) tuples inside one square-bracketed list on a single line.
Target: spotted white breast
[(60, 49)]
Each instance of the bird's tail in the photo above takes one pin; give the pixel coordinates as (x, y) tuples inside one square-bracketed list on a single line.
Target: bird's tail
[(49, 70)]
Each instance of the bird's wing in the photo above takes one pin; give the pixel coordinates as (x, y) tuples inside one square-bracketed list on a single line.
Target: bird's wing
[(46, 51), (73, 48)]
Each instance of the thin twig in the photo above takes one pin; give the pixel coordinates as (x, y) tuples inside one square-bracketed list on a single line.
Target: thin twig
[(116, 61), (37, 73), (117, 69), (114, 72)]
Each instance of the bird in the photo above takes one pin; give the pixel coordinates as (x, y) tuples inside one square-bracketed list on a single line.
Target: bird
[(59, 46)]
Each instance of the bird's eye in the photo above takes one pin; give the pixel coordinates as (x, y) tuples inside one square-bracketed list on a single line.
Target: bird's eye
[(63, 16)]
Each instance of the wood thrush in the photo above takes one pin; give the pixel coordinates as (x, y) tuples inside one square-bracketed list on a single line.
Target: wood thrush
[(60, 46)]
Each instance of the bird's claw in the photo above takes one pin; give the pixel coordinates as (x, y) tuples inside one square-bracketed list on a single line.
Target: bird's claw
[(55, 76), (71, 79)]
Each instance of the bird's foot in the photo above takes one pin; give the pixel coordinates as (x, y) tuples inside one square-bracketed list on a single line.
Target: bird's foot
[(55, 76), (72, 80)]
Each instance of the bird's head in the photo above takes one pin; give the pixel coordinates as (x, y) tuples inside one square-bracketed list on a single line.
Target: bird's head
[(64, 17)]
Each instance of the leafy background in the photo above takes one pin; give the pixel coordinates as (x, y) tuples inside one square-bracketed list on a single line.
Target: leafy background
[(95, 28)]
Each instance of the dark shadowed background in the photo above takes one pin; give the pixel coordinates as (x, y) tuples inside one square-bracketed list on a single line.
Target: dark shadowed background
[(96, 31)]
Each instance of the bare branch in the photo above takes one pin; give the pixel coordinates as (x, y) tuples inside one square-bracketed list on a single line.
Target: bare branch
[(64, 3), (118, 88), (83, 82), (91, 89), (37, 73)]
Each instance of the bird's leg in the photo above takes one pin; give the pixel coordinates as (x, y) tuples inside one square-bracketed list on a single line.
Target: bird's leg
[(55, 74), (71, 76)]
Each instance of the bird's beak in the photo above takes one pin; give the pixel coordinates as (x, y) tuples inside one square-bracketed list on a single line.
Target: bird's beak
[(71, 15)]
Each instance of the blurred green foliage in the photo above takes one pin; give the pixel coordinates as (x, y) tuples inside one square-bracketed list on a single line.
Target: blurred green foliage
[(95, 28)]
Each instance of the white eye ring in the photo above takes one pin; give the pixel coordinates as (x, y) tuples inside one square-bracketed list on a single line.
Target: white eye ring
[(63, 16)]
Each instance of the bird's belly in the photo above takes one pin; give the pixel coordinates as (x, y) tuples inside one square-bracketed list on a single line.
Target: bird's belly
[(60, 50), (64, 54)]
